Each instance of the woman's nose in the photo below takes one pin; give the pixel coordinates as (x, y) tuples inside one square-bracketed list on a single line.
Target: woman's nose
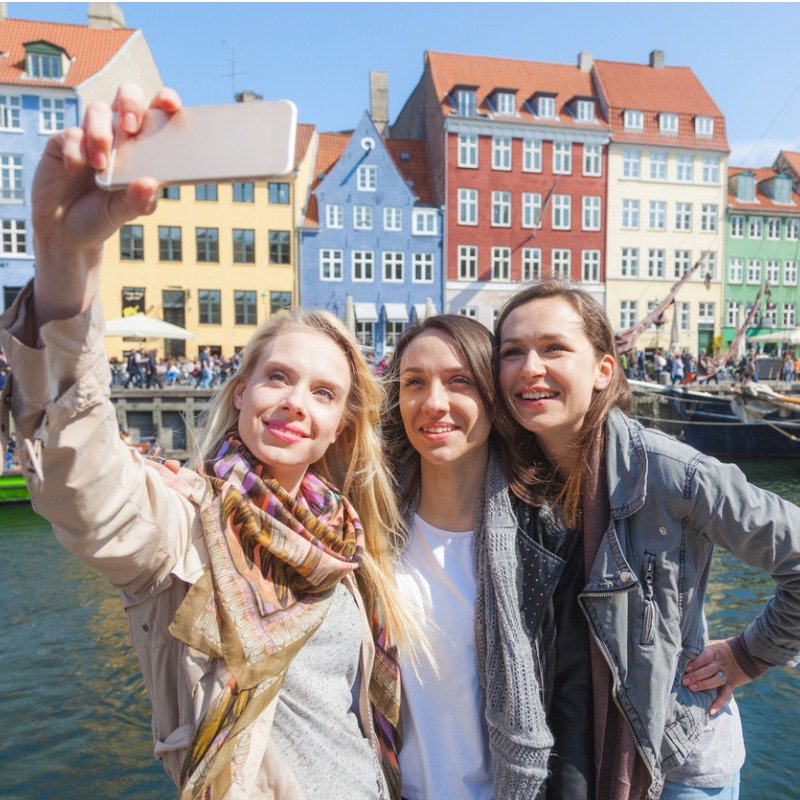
[(295, 401), (436, 398)]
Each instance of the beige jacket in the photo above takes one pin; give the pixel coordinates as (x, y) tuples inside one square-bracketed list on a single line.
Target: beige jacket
[(117, 515)]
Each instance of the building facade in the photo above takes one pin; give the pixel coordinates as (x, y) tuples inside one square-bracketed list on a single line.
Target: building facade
[(667, 169), (371, 244), (217, 259), (518, 159), (49, 72), (762, 246)]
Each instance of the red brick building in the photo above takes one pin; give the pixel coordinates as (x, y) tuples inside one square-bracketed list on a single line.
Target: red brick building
[(517, 151)]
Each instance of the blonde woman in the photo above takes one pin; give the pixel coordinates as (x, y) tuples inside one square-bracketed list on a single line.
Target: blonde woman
[(260, 597)]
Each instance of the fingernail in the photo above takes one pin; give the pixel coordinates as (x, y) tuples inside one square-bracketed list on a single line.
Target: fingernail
[(129, 122), (686, 681), (712, 712), (99, 161)]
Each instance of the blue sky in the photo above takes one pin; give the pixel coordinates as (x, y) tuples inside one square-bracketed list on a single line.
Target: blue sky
[(320, 54)]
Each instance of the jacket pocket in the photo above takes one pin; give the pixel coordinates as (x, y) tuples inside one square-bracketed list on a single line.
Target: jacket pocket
[(648, 588), (539, 571)]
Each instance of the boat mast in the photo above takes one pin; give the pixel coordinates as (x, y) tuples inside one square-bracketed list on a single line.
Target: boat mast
[(626, 340)]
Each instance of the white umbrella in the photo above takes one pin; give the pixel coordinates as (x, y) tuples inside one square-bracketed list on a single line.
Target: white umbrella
[(791, 336), (350, 315), (140, 326)]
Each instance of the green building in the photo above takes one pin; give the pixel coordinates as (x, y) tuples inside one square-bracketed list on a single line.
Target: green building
[(762, 245)]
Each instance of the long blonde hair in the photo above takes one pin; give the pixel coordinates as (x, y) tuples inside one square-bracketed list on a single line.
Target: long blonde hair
[(354, 463)]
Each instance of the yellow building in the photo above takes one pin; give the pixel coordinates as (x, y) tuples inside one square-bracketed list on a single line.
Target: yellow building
[(216, 259), (667, 179)]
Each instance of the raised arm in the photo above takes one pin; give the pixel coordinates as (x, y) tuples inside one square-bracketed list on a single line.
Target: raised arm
[(72, 217)]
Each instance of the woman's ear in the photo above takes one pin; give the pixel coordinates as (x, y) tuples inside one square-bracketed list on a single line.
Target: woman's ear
[(605, 371), (238, 391)]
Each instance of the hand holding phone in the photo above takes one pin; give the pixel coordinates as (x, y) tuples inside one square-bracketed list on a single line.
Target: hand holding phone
[(219, 143)]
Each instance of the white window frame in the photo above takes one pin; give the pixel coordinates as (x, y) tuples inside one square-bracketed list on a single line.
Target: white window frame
[(393, 266), (732, 313), (789, 315), (531, 155), (593, 160), (467, 150), (334, 215), (331, 260), (501, 263), (424, 222), (772, 270), (367, 178), (423, 267), (501, 153), (706, 311), (466, 102), (629, 262), (754, 271), (632, 164), (584, 110), (631, 210), (12, 184), (633, 120), (590, 266), (467, 207), (684, 213), (736, 270), (561, 263), (682, 262), (658, 162), (10, 112), (790, 272), (704, 126), (657, 215), (737, 226), (774, 229), (392, 218), (52, 114), (709, 171), (531, 209), (362, 266), (13, 237), (628, 313), (684, 168), (562, 158), (668, 123), (755, 228), (531, 269), (684, 308), (546, 107), (471, 312), (792, 229), (709, 217), (562, 212), (501, 209), (362, 218), (467, 262), (656, 262), (505, 104), (591, 213)]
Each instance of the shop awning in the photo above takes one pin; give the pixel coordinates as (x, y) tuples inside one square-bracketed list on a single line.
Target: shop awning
[(395, 312), (365, 312)]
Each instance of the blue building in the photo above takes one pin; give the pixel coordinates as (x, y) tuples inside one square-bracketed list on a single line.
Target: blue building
[(49, 72), (371, 243)]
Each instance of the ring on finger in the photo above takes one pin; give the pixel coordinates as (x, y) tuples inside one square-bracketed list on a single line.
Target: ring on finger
[(723, 676)]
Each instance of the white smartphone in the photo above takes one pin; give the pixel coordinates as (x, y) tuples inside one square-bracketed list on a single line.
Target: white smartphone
[(198, 144)]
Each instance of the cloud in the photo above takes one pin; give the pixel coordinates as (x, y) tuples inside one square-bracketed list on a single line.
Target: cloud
[(760, 153)]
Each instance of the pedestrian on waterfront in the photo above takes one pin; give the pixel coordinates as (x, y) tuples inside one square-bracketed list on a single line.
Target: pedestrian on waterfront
[(750, 372), (204, 379), (677, 372), (628, 518), (472, 569), (788, 367), (261, 598)]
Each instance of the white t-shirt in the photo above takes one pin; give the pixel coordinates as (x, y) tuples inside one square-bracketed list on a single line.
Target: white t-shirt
[(445, 746)]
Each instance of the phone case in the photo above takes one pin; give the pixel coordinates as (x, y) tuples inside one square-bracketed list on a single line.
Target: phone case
[(197, 144)]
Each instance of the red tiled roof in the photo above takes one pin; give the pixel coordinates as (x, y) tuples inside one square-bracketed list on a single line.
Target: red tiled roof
[(302, 141), (675, 90), (331, 146), (91, 48), (488, 73), (792, 159), (414, 168), (763, 201)]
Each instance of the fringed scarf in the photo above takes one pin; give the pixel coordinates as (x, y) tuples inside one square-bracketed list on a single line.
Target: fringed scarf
[(274, 564)]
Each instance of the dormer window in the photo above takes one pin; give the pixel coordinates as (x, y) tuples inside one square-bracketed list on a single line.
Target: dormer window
[(746, 187), (668, 123), (782, 189), (584, 110), (367, 178), (546, 106), (505, 103), (704, 126), (44, 61), (466, 103), (633, 120)]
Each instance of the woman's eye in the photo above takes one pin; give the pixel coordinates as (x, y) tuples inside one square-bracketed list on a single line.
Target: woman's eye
[(510, 352), (409, 382), (462, 380), (326, 394), (554, 347), (275, 375)]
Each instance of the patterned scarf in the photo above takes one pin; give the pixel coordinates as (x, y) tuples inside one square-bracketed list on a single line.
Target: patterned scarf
[(274, 564)]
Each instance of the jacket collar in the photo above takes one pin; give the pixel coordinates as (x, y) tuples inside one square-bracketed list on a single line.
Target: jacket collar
[(626, 463)]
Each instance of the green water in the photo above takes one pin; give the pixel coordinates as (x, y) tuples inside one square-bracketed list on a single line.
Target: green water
[(76, 717)]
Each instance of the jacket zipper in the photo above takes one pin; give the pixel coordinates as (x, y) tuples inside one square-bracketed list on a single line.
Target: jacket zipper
[(614, 692), (648, 578)]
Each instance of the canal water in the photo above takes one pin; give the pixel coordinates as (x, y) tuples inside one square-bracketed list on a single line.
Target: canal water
[(75, 715)]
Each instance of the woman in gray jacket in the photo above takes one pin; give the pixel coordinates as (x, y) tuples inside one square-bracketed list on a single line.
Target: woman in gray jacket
[(629, 517)]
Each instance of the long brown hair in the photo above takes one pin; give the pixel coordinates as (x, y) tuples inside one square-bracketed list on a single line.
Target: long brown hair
[(354, 462), (531, 475), (474, 344)]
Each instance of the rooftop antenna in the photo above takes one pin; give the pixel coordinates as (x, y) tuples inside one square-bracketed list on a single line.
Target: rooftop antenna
[(232, 61)]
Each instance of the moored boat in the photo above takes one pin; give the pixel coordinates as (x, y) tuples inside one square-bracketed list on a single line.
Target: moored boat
[(13, 488)]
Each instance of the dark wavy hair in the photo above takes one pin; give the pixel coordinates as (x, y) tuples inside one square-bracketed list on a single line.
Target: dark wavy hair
[(531, 475), (474, 343)]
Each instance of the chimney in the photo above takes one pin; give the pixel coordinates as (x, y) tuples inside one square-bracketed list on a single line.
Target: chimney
[(657, 59), (379, 100), (3, 10), (585, 61), (105, 16), (248, 96)]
